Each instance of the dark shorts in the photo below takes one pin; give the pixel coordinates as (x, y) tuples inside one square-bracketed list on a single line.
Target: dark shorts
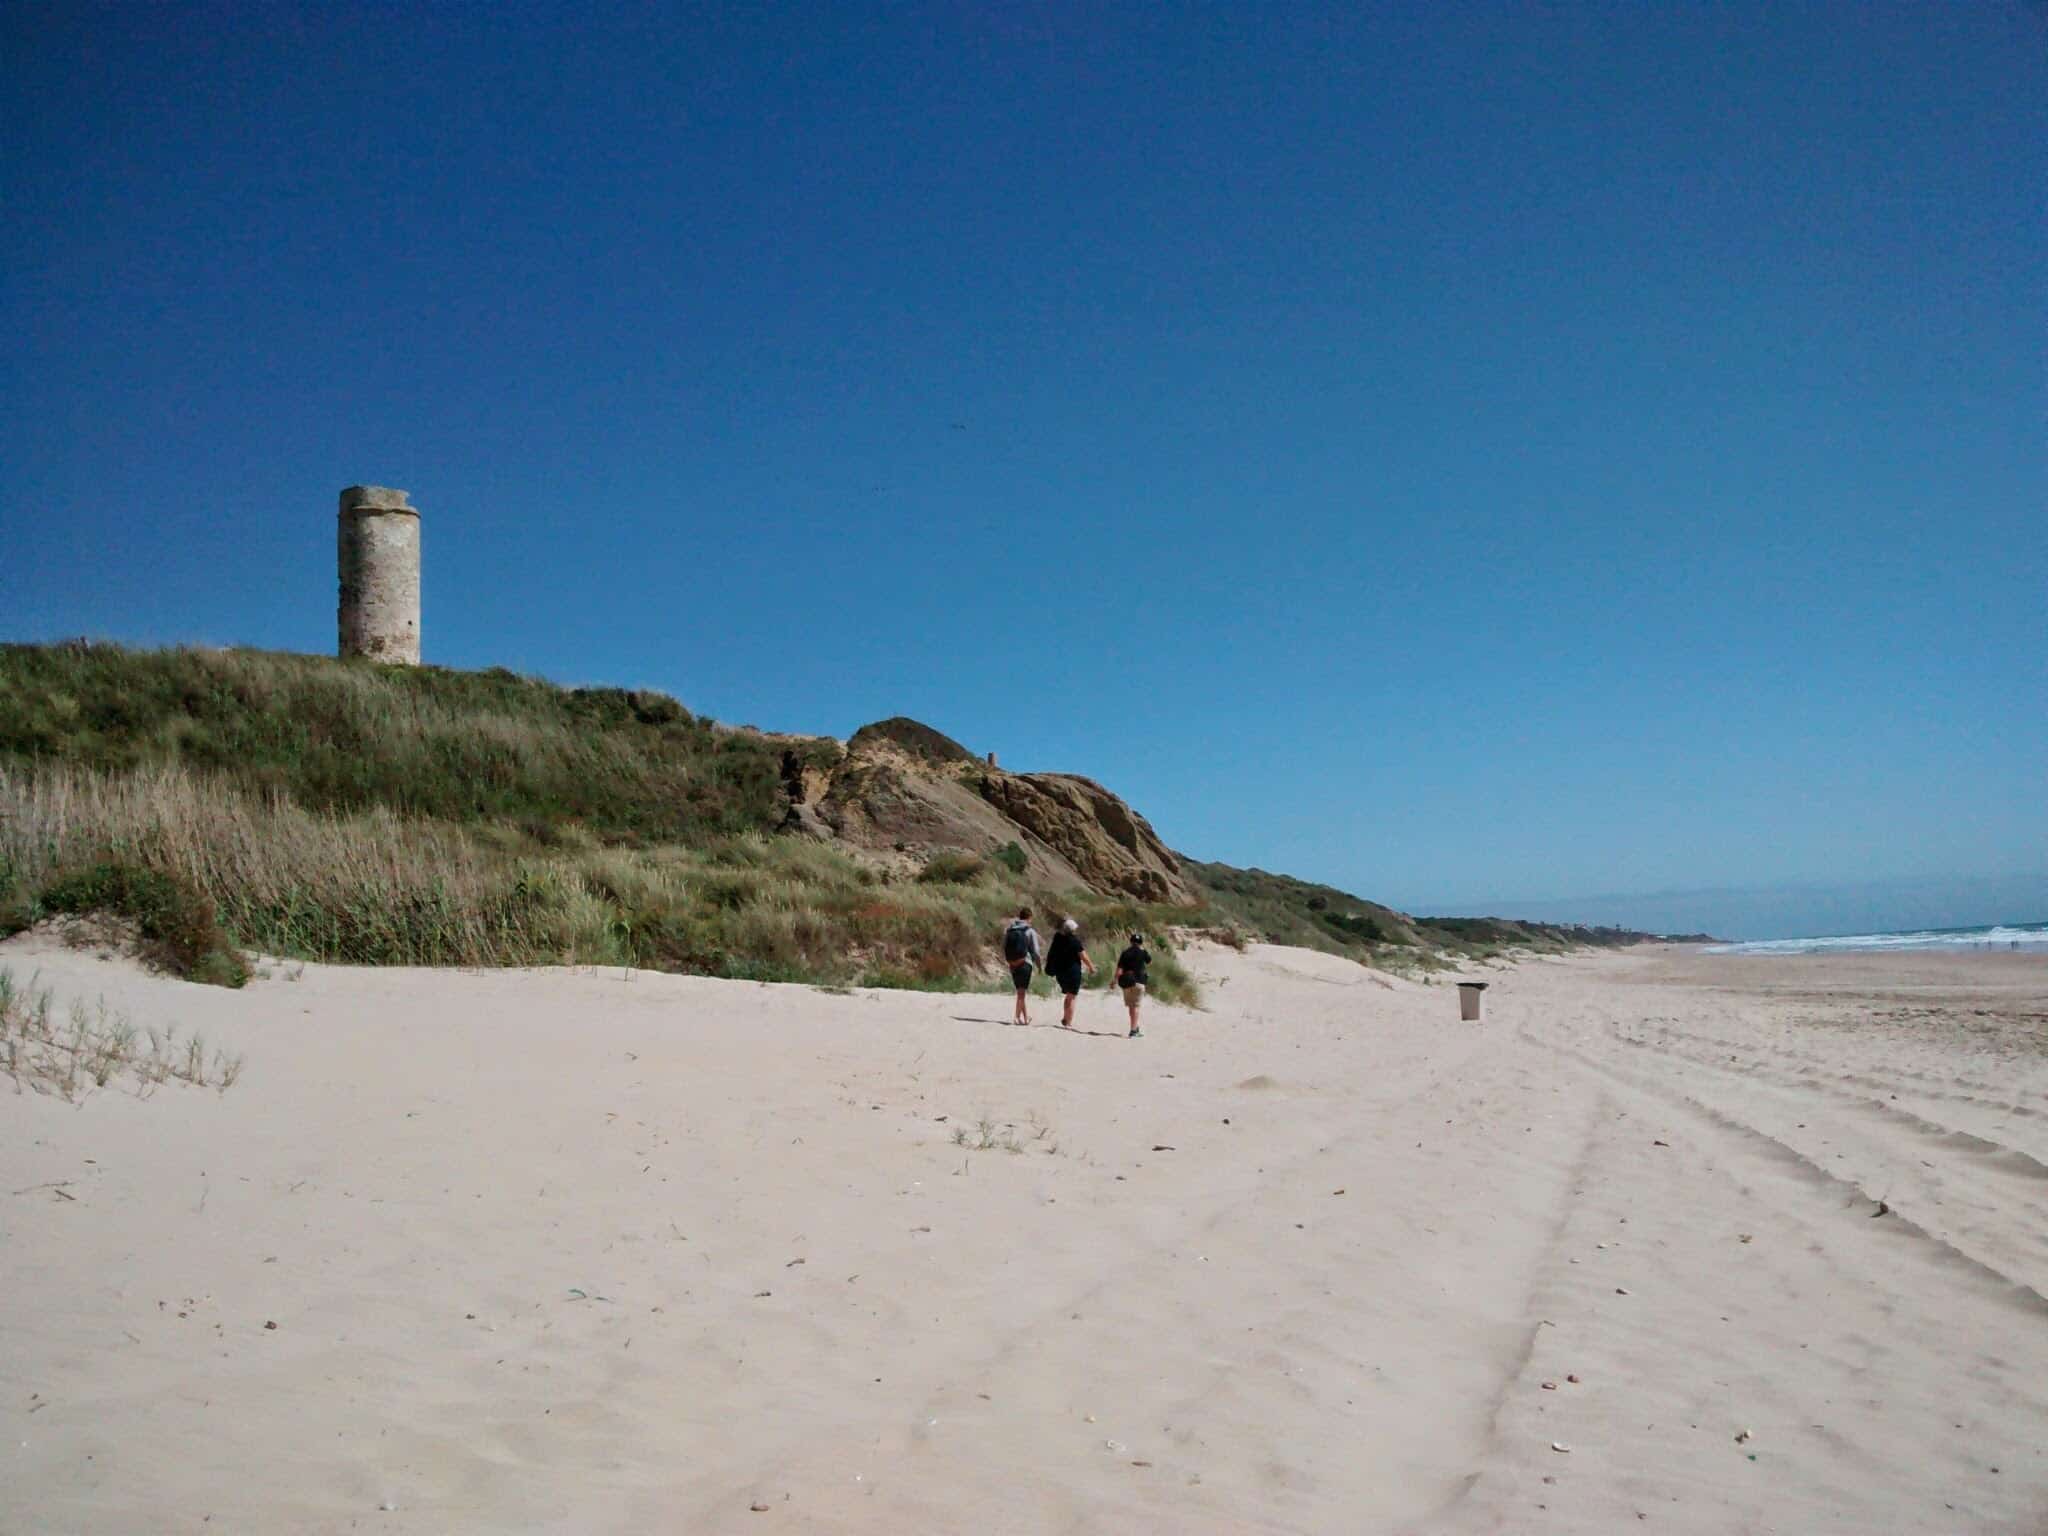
[(1020, 975), (1069, 979)]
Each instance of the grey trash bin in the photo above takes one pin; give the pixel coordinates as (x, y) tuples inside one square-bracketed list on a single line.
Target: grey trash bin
[(1471, 999)]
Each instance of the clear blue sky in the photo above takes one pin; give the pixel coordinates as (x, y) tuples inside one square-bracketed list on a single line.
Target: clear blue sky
[(1466, 453)]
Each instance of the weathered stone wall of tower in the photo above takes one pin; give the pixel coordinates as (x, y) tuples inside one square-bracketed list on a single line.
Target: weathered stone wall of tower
[(379, 558)]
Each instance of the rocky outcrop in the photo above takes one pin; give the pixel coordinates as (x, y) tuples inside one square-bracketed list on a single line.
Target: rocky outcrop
[(1109, 844), (903, 792), (913, 738)]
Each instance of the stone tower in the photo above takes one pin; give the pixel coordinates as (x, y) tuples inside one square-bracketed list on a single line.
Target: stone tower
[(380, 575)]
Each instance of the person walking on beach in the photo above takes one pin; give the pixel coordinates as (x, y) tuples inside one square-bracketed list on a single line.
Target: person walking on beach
[(1064, 958), (1020, 953), (1131, 976)]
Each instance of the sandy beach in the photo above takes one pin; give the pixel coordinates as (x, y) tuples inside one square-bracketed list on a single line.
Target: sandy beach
[(1670, 1242)]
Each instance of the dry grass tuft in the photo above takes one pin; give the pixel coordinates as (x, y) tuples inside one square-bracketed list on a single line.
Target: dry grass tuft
[(988, 1134), (93, 1048), (985, 1135), (375, 887)]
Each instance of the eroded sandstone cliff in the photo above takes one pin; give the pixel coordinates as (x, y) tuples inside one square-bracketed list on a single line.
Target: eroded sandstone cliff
[(905, 792)]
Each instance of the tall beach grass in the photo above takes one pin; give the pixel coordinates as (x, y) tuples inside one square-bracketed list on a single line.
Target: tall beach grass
[(377, 886)]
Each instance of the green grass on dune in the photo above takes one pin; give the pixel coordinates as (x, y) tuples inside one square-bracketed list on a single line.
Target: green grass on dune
[(369, 815), (464, 747)]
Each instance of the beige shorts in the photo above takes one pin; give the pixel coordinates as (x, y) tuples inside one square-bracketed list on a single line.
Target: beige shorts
[(1133, 996)]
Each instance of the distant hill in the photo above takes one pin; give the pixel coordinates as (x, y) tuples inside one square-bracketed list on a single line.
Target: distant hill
[(1290, 911), (299, 805)]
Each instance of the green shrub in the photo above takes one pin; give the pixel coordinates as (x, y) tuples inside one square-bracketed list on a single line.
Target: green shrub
[(949, 867), (1012, 857), (219, 968), (1360, 926), (174, 921)]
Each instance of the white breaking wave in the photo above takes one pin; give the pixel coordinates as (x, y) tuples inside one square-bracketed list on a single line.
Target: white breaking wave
[(1998, 936)]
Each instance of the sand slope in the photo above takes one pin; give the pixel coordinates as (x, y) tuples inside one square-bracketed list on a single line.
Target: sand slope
[(596, 1252)]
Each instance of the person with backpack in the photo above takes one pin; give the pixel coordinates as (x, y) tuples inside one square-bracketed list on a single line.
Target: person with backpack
[(1064, 959), (1131, 976), (1020, 954)]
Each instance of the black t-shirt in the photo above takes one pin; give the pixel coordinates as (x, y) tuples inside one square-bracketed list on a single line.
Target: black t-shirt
[(1064, 953), (1130, 966)]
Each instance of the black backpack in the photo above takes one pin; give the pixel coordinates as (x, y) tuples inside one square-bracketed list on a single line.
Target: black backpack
[(1017, 943)]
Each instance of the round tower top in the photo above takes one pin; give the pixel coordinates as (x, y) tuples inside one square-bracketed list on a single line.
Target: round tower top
[(375, 498)]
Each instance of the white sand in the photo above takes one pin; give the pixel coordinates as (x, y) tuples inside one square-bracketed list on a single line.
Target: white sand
[(515, 1230)]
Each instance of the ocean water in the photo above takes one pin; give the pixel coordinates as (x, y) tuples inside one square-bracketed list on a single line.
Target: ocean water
[(2023, 936)]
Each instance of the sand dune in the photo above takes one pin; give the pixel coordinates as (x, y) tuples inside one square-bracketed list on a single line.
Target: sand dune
[(605, 1252)]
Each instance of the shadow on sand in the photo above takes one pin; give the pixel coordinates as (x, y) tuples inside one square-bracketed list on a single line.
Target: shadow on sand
[(1098, 1034)]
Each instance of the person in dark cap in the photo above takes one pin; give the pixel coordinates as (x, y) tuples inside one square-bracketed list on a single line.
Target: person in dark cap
[(1131, 975), (1064, 962)]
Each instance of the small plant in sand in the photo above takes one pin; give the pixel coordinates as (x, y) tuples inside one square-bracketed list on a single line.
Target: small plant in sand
[(991, 1135), (92, 1048), (987, 1135)]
